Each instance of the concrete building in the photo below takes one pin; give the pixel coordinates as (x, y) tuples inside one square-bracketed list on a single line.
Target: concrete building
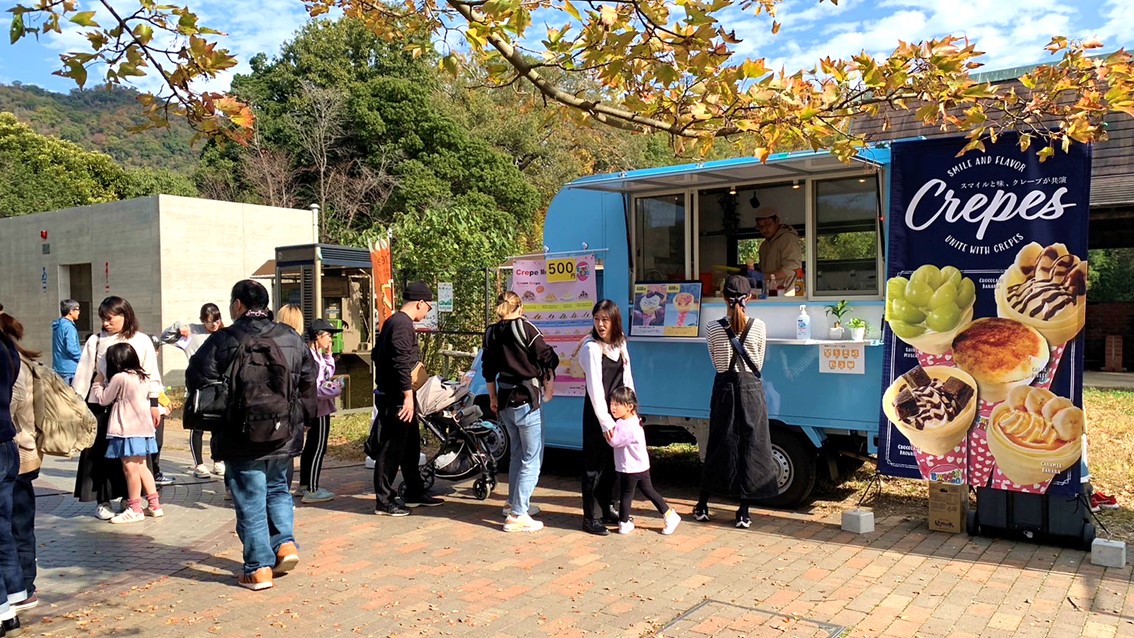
[(166, 255)]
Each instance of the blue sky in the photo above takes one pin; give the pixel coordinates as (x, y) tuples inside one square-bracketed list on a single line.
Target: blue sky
[(1011, 32)]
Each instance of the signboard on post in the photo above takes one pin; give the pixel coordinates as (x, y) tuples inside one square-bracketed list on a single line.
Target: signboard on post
[(985, 307), (445, 296), (558, 295)]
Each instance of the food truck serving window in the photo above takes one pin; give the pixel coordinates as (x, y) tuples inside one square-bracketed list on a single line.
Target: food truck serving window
[(660, 237), (846, 242)]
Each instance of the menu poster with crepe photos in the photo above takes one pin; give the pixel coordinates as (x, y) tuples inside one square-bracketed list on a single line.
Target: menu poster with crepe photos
[(666, 309), (558, 295), (985, 307)]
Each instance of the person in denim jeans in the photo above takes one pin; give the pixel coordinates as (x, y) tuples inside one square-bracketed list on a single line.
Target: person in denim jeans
[(12, 589), (519, 368), (256, 473)]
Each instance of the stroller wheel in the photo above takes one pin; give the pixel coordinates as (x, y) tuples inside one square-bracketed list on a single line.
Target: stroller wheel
[(481, 489), (428, 476), (402, 490)]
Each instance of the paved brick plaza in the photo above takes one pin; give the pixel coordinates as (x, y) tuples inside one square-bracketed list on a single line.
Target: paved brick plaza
[(452, 571)]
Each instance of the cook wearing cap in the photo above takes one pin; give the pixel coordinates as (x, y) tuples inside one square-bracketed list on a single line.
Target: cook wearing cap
[(781, 252)]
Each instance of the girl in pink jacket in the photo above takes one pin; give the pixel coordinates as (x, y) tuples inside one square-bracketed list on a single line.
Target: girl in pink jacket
[(130, 431), (632, 463)]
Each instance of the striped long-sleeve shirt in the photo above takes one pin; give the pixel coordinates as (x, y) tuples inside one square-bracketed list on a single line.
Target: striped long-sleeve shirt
[(720, 347)]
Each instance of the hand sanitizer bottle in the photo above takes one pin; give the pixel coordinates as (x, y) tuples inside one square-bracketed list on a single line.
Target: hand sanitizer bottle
[(803, 325)]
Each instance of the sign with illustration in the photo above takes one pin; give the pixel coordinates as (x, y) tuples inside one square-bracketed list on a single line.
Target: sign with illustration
[(842, 358), (558, 296), (445, 296), (985, 307), (666, 309)]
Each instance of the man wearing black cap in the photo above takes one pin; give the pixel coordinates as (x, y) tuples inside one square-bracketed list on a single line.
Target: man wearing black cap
[(399, 442)]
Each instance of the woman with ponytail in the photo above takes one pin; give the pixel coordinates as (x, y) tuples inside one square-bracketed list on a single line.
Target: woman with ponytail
[(738, 458), (519, 368)]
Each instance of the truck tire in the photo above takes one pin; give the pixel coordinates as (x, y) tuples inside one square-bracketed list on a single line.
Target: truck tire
[(796, 461)]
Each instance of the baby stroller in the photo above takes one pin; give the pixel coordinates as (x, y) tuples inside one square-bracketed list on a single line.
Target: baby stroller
[(470, 445)]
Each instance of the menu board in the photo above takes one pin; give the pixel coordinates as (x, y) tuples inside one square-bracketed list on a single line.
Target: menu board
[(985, 307), (558, 295), (666, 309)]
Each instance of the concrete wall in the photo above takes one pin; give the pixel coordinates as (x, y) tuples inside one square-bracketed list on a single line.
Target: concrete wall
[(206, 247), (120, 242), (166, 255)]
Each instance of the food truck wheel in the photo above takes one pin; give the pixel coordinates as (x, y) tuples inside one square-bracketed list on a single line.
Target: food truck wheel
[(496, 442), (795, 460)]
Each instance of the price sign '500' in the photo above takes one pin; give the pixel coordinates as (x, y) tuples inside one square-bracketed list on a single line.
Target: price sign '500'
[(560, 270)]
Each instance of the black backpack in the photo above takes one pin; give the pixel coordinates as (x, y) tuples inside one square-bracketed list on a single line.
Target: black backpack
[(261, 390)]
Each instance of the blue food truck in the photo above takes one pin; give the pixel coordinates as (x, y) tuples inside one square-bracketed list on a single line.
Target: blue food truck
[(690, 226)]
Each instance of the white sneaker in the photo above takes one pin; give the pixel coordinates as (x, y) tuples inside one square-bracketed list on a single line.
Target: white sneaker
[(533, 510), (103, 512), (202, 471), (671, 521), (625, 528), (370, 463), (129, 516), (218, 468), (522, 524)]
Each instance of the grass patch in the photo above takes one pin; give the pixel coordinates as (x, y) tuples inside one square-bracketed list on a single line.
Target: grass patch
[(348, 431)]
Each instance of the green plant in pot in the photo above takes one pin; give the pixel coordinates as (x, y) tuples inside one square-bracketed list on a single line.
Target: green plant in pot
[(857, 328), (837, 310)]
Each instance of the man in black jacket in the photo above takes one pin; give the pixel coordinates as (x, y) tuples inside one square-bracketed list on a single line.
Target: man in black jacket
[(256, 473), (399, 440)]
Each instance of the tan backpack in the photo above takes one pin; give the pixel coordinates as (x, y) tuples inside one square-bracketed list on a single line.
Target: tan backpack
[(63, 422)]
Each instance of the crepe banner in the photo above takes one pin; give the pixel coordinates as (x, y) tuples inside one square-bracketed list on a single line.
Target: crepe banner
[(985, 306), (381, 260), (558, 295)]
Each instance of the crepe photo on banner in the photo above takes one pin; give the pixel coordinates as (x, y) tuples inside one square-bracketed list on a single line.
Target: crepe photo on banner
[(985, 307)]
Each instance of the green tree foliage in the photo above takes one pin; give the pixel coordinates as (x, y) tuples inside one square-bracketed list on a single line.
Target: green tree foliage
[(40, 173), (1110, 275), (103, 119), (389, 118)]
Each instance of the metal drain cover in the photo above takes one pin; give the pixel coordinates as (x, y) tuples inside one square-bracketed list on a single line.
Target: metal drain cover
[(713, 617)]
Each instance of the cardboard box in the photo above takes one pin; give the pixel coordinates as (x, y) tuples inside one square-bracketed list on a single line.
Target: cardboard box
[(948, 507)]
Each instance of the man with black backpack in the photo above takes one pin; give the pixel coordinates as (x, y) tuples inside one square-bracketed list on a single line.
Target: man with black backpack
[(261, 388)]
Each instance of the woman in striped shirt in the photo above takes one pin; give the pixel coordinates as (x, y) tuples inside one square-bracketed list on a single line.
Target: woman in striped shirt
[(738, 459)]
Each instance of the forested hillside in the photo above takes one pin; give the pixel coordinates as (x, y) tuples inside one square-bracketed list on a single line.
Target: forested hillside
[(98, 119)]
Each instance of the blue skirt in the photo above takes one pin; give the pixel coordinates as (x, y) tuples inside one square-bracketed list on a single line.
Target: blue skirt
[(118, 448)]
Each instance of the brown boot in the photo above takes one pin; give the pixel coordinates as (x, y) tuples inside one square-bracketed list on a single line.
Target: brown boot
[(257, 580)]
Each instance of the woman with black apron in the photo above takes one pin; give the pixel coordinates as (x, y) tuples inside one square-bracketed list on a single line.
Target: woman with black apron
[(738, 458), (98, 478), (606, 366)]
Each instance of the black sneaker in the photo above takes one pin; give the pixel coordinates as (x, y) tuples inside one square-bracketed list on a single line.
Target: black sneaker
[(11, 627), (162, 479), (424, 501), (610, 518), (592, 526), (701, 513), (743, 521), (392, 510)]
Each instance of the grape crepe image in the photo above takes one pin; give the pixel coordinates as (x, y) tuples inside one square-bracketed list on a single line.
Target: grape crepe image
[(1035, 435), (1045, 288), (927, 310), (1000, 354), (933, 407)]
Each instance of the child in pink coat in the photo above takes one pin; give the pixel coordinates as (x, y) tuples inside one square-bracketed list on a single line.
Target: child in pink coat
[(632, 463), (130, 430)]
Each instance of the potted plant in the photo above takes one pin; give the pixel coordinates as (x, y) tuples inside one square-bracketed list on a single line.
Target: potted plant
[(857, 328), (837, 311)]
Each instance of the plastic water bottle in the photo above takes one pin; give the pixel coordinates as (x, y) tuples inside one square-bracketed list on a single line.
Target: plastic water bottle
[(803, 325)]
